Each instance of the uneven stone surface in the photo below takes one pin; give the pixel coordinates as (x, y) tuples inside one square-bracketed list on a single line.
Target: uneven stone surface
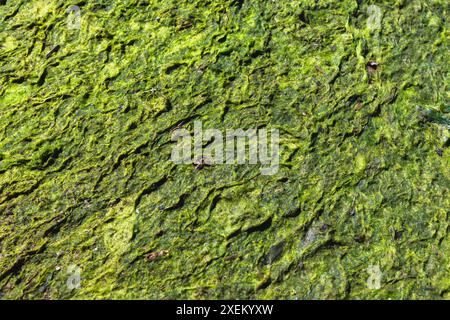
[(359, 208)]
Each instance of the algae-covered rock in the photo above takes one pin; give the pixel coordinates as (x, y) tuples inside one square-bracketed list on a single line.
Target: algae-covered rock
[(91, 205)]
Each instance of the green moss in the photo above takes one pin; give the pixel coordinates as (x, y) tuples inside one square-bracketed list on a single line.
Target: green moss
[(85, 176)]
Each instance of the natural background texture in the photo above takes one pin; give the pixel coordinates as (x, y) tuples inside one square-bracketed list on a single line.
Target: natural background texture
[(85, 139)]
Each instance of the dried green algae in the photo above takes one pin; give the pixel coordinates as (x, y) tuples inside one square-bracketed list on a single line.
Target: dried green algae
[(85, 176)]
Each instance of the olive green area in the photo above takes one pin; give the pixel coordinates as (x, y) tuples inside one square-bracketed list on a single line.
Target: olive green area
[(86, 180)]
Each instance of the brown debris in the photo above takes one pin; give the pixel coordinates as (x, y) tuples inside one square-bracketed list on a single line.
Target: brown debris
[(152, 256), (202, 162), (372, 66)]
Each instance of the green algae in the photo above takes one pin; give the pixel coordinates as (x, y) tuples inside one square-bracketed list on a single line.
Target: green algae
[(85, 175)]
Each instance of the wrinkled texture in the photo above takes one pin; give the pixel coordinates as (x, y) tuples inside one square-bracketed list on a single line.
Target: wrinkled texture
[(85, 140)]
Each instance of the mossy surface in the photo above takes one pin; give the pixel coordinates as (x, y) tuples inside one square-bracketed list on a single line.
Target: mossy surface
[(86, 116)]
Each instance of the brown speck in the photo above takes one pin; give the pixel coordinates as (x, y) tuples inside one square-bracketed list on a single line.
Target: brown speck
[(372, 66), (152, 256), (202, 162)]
